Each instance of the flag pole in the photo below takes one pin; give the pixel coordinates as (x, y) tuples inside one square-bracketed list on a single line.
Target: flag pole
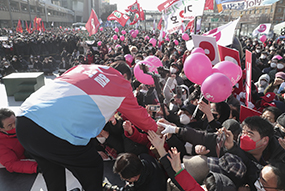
[(195, 25)]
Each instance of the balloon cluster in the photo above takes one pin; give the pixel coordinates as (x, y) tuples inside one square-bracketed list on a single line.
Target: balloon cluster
[(152, 63), (216, 82)]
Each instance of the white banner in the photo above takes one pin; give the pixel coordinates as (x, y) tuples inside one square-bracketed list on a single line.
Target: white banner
[(262, 28), (180, 11), (246, 4)]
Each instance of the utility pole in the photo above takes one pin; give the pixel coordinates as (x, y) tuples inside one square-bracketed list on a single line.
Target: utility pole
[(11, 19)]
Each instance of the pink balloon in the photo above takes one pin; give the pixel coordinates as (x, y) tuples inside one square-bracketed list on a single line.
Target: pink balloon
[(137, 31), (167, 39), (216, 87), (152, 41), (197, 67), (115, 37), (99, 43), (123, 32), (134, 34), (141, 76), (155, 61), (263, 38), (230, 69), (122, 38), (198, 50), (131, 31), (116, 29), (146, 38), (185, 36), (129, 59), (101, 28), (176, 42)]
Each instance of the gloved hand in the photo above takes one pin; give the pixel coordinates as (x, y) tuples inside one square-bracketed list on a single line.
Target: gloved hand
[(167, 128)]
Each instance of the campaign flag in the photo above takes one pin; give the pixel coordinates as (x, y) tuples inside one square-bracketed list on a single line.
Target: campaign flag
[(225, 33), (246, 112), (119, 17), (135, 7), (179, 11), (38, 21), (93, 23), (229, 54), (136, 19), (262, 28), (27, 27), (35, 24), (248, 67), (141, 13), (209, 5), (166, 4), (43, 27), (30, 26), (209, 45), (159, 24), (19, 27)]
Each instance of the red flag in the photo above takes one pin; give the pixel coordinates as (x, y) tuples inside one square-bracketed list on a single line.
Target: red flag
[(159, 24), (209, 5), (134, 8), (92, 24), (27, 28), (119, 17), (30, 26), (190, 25), (38, 21), (19, 27), (34, 24), (166, 4), (136, 19), (43, 27), (248, 67), (246, 112), (141, 13)]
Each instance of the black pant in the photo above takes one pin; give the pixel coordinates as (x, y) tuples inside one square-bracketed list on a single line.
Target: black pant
[(53, 155)]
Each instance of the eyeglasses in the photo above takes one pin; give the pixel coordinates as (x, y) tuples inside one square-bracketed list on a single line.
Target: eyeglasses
[(261, 187)]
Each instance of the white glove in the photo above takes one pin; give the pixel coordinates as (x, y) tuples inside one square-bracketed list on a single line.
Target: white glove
[(167, 128)]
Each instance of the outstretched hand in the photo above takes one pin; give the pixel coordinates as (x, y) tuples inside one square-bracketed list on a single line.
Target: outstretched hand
[(174, 159)]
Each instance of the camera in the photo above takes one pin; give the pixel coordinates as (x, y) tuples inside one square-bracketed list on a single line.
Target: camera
[(154, 108)]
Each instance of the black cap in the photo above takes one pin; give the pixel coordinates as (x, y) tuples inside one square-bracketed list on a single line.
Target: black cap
[(190, 108)]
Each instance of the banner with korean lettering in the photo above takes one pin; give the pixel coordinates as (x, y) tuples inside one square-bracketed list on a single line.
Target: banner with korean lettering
[(209, 45), (245, 4), (248, 67), (181, 10)]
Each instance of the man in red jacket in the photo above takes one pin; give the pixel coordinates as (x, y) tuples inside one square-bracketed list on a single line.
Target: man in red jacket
[(11, 151)]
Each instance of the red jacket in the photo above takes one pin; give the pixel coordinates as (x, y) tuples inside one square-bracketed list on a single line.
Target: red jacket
[(187, 182), (12, 155)]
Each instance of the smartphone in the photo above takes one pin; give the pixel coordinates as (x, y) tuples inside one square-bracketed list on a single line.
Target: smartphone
[(154, 108), (205, 100), (220, 140)]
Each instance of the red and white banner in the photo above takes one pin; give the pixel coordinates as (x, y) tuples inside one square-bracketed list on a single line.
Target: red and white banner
[(92, 24), (248, 67), (119, 17), (209, 45), (228, 54), (262, 28), (181, 10), (224, 34)]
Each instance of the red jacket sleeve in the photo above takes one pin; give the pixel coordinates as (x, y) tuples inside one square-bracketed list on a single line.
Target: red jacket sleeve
[(138, 137), (137, 114), (187, 182), (13, 163)]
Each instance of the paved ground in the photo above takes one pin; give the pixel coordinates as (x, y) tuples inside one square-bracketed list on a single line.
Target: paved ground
[(25, 182)]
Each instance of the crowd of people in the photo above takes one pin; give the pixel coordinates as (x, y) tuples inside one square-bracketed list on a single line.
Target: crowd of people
[(162, 136)]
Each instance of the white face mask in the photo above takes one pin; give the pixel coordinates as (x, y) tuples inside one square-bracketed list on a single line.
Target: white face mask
[(184, 119), (262, 56), (101, 139), (257, 50), (172, 70), (6, 66), (14, 59), (280, 66), (273, 65), (263, 83), (136, 61), (143, 91)]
